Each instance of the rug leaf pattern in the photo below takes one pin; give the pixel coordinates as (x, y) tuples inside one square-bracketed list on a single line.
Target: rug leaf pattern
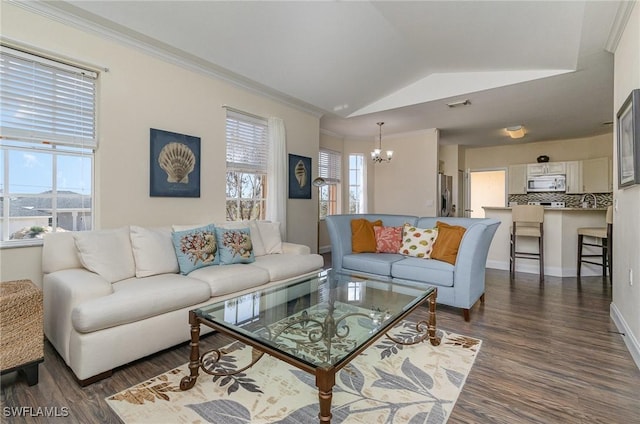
[(389, 383)]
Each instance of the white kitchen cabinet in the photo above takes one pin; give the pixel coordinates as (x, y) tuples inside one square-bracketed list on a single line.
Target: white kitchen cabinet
[(574, 177), (546, 168), (596, 175), (518, 179)]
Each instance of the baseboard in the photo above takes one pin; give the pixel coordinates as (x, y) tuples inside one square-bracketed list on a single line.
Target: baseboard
[(324, 249), (629, 338), (532, 268)]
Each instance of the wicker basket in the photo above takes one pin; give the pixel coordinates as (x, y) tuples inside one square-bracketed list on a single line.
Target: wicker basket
[(21, 330)]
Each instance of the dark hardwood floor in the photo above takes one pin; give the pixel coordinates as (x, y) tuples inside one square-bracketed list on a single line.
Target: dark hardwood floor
[(550, 354)]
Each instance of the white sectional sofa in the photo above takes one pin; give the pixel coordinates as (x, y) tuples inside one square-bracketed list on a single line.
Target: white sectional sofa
[(114, 296)]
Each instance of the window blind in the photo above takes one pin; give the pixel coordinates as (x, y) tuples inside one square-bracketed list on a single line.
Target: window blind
[(45, 101), (329, 166), (247, 143)]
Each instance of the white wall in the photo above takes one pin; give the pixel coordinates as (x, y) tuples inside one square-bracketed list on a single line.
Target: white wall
[(625, 308), (141, 92), (407, 185)]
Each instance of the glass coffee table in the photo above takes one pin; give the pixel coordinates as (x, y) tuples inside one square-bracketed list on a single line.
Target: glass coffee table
[(317, 324)]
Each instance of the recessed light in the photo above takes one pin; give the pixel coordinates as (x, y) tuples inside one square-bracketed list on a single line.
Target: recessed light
[(517, 131)]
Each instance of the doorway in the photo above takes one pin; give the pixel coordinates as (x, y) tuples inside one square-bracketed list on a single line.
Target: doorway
[(487, 187)]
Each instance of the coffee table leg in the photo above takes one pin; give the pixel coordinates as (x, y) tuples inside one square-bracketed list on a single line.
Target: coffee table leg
[(325, 380), (194, 359), (435, 340)]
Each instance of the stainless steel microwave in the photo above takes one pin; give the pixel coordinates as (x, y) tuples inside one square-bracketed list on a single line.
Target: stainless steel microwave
[(547, 183)]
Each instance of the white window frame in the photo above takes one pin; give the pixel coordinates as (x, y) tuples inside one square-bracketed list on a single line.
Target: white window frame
[(55, 114), (330, 169), (358, 185), (247, 144)]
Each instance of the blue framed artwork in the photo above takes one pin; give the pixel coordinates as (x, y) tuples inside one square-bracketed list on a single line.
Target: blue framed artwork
[(175, 164), (299, 177)]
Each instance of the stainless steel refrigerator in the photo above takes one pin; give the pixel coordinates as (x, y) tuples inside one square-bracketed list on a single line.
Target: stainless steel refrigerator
[(445, 195)]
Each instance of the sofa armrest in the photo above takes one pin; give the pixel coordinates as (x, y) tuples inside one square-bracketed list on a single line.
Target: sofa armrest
[(297, 249), (469, 274), (64, 290)]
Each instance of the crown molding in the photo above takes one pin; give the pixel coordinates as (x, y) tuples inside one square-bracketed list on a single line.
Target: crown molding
[(70, 15), (619, 23), (331, 133)]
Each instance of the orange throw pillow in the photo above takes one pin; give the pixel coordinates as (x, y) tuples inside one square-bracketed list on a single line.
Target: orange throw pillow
[(446, 246), (363, 237)]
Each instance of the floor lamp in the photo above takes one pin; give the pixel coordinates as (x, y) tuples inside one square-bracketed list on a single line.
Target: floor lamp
[(318, 182)]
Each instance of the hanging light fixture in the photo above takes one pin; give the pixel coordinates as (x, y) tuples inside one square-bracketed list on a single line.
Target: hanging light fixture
[(376, 154)]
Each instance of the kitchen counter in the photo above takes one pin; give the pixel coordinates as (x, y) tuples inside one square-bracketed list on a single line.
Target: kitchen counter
[(560, 240)]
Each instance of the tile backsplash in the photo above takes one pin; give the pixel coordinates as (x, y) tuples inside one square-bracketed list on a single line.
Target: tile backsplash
[(570, 200)]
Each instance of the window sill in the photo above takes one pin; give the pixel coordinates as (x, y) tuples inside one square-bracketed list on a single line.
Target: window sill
[(19, 244)]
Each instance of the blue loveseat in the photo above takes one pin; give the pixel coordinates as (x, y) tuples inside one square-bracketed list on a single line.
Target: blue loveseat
[(460, 285)]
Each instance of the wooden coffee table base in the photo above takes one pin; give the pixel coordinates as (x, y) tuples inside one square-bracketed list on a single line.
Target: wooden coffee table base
[(325, 375)]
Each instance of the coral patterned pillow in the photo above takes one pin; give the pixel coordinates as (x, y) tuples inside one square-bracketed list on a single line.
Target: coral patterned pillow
[(196, 248), (388, 239), (418, 242)]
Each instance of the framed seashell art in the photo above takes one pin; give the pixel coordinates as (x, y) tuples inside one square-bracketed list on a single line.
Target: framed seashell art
[(175, 165), (299, 177)]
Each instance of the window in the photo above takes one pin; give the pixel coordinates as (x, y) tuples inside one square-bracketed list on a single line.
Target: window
[(48, 137), (247, 156), (356, 183), (329, 168)]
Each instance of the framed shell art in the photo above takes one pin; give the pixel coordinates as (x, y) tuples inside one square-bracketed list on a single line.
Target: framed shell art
[(299, 177), (175, 165), (628, 132)]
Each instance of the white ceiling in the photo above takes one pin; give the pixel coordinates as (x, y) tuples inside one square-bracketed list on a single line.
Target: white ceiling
[(542, 64)]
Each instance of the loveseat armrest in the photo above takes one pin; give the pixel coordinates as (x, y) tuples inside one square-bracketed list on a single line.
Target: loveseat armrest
[(294, 248), (470, 267), (64, 290)]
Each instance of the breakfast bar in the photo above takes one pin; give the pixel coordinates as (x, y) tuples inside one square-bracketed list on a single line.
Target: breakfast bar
[(560, 240)]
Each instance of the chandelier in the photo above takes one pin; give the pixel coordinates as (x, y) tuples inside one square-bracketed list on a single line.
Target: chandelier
[(376, 154)]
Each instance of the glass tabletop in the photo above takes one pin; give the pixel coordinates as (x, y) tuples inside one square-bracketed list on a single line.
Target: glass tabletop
[(318, 320)]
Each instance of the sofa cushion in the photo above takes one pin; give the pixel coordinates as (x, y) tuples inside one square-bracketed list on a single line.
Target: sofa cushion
[(448, 242), (371, 263), (107, 253), (135, 299), (231, 278), (153, 251), (418, 242), (196, 248), (388, 239), (428, 271), (363, 238), (286, 265), (235, 246)]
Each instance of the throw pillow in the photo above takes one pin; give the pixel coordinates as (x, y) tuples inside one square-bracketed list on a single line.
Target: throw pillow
[(418, 242), (254, 230), (107, 253), (271, 238), (196, 248), (235, 246), (446, 246), (388, 239), (363, 238), (153, 251)]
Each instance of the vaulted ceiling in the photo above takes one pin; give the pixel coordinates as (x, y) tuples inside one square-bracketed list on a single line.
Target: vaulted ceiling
[(541, 64)]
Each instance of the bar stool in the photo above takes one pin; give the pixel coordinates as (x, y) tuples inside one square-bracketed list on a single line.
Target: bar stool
[(604, 234), (527, 222)]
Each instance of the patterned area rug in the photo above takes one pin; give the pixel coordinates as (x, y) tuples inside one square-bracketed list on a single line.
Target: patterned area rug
[(387, 383)]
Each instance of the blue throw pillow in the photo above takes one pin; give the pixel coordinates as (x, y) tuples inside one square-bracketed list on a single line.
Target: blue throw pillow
[(235, 246), (196, 248)]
